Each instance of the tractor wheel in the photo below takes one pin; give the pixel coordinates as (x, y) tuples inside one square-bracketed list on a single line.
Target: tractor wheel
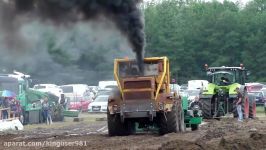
[(181, 120), (245, 107), (168, 122), (194, 127), (115, 125), (206, 108), (252, 110), (234, 111)]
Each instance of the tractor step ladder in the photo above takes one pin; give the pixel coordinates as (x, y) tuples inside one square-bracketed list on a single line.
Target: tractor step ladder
[(220, 109)]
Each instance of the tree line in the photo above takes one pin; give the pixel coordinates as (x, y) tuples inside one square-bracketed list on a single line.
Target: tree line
[(193, 33)]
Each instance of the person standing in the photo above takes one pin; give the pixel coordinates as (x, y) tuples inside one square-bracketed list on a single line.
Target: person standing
[(5, 104), (47, 111), (63, 100), (239, 104), (14, 107)]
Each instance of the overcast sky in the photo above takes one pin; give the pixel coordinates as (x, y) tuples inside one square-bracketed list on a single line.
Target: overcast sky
[(241, 1)]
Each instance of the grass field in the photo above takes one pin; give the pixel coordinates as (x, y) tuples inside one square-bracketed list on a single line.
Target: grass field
[(88, 118), (260, 109), (260, 113)]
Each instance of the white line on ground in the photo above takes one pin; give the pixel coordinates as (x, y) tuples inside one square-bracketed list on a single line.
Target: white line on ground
[(99, 130)]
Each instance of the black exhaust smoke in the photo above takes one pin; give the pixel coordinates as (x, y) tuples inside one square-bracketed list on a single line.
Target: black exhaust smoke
[(124, 13)]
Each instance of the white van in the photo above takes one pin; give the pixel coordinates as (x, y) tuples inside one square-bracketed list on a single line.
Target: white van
[(197, 84), (75, 90), (107, 84), (51, 88)]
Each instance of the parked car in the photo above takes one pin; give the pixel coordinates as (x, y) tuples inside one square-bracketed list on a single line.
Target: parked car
[(105, 84), (259, 97), (78, 90), (103, 92), (174, 88), (263, 90), (256, 91), (78, 103), (184, 87), (99, 104), (193, 95)]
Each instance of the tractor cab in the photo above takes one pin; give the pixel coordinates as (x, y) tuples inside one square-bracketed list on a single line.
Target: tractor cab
[(224, 76)]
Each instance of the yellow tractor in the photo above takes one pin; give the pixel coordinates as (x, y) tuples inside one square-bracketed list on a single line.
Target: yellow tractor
[(143, 98)]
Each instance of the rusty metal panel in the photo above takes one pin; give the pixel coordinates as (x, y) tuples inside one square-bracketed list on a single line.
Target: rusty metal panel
[(138, 95), (137, 84), (139, 88)]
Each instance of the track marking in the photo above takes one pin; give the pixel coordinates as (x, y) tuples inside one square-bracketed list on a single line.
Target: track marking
[(101, 129), (105, 131)]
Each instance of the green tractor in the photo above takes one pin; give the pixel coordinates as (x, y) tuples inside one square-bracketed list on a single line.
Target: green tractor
[(219, 99), (192, 113), (30, 100)]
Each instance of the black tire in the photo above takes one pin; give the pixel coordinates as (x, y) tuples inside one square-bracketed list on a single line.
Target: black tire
[(250, 113), (206, 108), (244, 103), (181, 121), (115, 125), (131, 127), (194, 127), (234, 111), (167, 123), (252, 110)]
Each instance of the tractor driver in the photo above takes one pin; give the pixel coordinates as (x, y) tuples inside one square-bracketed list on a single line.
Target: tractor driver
[(224, 81)]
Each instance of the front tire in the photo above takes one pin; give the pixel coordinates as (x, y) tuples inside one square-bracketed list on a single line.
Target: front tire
[(115, 125), (206, 108), (252, 110), (167, 122), (181, 121), (245, 107), (170, 122)]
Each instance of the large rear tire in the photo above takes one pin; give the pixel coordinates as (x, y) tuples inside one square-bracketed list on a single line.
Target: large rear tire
[(167, 122), (235, 110), (206, 108), (115, 125), (252, 110), (181, 120), (245, 106)]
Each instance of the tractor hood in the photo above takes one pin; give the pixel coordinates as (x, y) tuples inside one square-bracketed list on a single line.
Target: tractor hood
[(211, 90)]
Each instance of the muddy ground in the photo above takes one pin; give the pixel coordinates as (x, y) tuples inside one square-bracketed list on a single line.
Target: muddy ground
[(91, 134)]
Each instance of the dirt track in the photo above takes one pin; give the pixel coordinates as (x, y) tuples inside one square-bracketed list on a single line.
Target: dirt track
[(213, 134)]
